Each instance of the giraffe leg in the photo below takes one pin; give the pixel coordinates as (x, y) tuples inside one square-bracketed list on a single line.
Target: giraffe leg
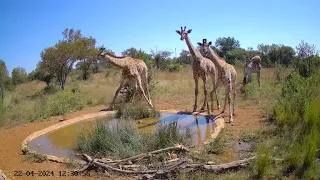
[(123, 81), (134, 90), (229, 89), (145, 84), (215, 89), (205, 103), (234, 96), (258, 77), (225, 100), (141, 89), (244, 76), (196, 92)]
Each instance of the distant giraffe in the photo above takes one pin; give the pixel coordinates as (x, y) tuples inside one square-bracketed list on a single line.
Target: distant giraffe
[(227, 75), (134, 72), (252, 65), (202, 68)]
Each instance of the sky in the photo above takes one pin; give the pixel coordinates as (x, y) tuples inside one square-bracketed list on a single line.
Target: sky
[(29, 26)]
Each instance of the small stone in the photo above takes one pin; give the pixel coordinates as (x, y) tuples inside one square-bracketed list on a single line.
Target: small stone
[(210, 162)]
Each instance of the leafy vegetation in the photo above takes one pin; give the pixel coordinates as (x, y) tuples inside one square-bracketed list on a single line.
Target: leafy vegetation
[(128, 111)]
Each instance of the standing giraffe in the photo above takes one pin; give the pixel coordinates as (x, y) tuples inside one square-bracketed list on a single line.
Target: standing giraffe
[(202, 68), (252, 65), (227, 75), (134, 73)]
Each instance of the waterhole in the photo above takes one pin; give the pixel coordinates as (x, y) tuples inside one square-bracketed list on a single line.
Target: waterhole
[(62, 142)]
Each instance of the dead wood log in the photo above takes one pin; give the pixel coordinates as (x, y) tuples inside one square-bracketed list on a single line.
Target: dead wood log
[(222, 167)]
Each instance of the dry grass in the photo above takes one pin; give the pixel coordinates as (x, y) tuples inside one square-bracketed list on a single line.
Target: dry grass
[(175, 90)]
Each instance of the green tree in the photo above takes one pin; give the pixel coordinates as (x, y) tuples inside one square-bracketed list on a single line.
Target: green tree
[(132, 52), (41, 74), (6, 83), (305, 50), (185, 57), (226, 44), (237, 55), (160, 58), (86, 53), (59, 59), (19, 76)]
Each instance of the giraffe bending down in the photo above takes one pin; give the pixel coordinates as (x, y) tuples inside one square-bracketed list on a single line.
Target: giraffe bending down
[(134, 73), (227, 75), (202, 68), (252, 65)]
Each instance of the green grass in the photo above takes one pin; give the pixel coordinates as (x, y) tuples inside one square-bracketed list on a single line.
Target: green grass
[(35, 158), (218, 145)]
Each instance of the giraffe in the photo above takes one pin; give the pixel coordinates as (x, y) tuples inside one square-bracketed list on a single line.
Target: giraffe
[(252, 65), (134, 73), (227, 75), (202, 68)]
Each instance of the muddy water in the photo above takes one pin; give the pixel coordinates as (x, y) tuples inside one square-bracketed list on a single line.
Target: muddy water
[(61, 142)]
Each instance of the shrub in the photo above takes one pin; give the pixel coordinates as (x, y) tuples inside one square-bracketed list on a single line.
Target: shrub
[(123, 139), (128, 111), (297, 115), (262, 163), (64, 102)]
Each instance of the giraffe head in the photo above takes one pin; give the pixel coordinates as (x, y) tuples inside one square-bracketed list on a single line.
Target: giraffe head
[(183, 33), (204, 46)]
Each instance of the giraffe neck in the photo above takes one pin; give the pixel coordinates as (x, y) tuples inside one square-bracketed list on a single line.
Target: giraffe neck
[(193, 51), (116, 61), (216, 59)]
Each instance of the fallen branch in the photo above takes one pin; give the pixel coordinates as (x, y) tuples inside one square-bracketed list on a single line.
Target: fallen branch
[(143, 155), (222, 167)]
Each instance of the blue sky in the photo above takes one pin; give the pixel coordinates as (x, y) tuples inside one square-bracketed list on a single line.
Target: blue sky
[(27, 27)]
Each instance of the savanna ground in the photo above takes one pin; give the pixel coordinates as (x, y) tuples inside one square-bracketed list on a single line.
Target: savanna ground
[(29, 105)]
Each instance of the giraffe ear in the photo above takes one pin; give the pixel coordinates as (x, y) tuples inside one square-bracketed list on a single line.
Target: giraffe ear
[(210, 43), (178, 32), (189, 31), (199, 44)]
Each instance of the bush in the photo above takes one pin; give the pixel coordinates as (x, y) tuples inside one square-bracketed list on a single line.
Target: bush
[(64, 102), (128, 111), (297, 115), (174, 67), (123, 139)]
